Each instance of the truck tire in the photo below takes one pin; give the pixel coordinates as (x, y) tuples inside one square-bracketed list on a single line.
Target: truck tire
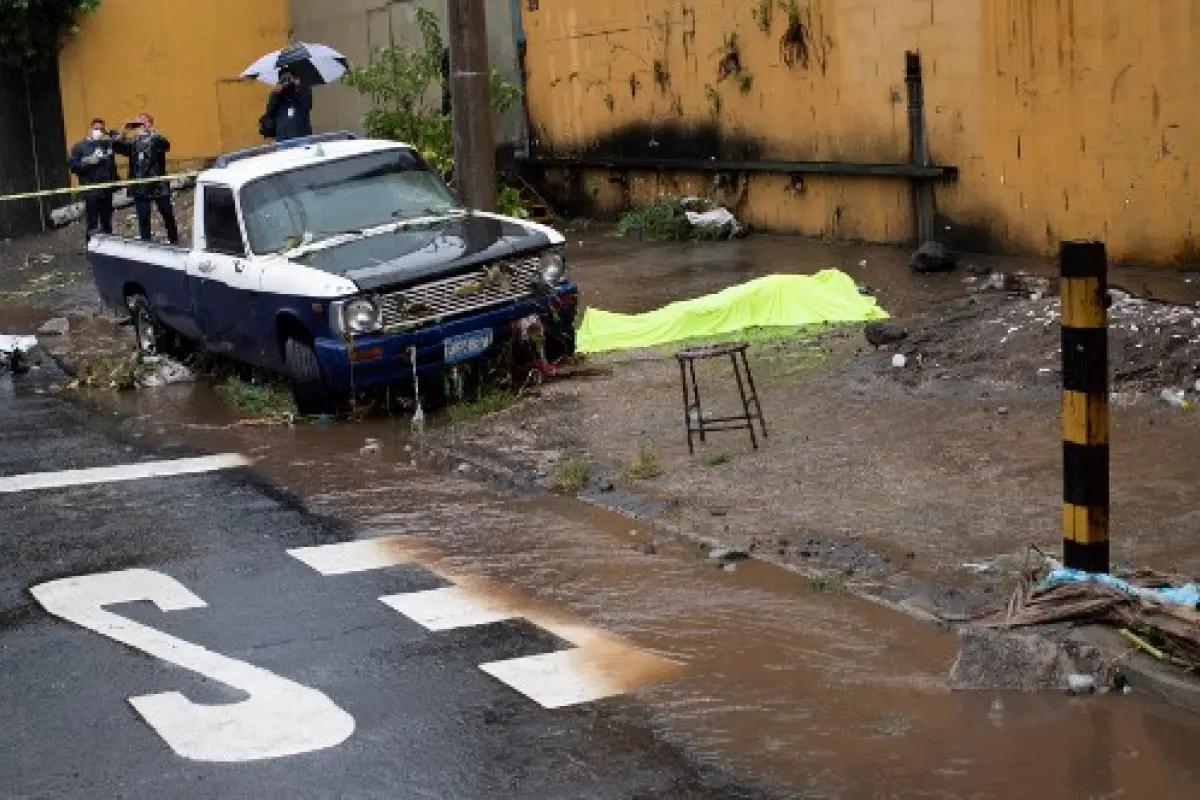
[(312, 396), (152, 338)]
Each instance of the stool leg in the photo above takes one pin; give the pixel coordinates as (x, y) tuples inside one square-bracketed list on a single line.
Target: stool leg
[(737, 373), (696, 393), (754, 395), (687, 416)]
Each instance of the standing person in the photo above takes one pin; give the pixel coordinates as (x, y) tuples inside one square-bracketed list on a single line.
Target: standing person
[(289, 109), (93, 163), (147, 151)]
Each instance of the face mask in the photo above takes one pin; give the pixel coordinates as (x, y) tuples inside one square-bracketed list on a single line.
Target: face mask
[(97, 134)]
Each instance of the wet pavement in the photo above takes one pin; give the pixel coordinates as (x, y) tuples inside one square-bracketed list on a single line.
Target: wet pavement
[(789, 686), (783, 686)]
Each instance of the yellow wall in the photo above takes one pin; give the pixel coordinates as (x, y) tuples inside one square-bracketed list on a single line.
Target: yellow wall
[(177, 60), (1067, 118)]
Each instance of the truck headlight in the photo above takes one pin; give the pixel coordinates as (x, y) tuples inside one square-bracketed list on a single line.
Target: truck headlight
[(356, 316), (554, 268)]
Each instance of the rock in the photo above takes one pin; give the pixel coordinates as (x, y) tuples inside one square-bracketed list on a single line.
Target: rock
[(989, 659), (933, 257), (61, 217), (881, 333), (728, 555), (464, 468), (1081, 684), (899, 361), (1002, 411), (59, 326), (166, 373)]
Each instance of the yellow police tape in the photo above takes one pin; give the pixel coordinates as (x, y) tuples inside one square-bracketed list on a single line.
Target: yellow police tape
[(93, 186)]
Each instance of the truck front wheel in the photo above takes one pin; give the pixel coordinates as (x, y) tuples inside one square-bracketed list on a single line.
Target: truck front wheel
[(313, 397), (152, 338)]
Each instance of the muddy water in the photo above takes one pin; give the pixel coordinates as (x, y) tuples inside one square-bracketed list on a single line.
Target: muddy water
[(811, 692)]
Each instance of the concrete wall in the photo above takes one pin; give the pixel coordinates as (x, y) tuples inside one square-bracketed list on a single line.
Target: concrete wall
[(178, 60), (1071, 118), (358, 28)]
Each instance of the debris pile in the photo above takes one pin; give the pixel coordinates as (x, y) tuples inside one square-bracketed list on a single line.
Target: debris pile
[(1157, 618), (680, 218), (1008, 331)]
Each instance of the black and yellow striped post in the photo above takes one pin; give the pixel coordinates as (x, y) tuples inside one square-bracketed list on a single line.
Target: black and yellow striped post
[(1084, 273)]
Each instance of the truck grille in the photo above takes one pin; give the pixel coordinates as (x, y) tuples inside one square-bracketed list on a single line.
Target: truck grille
[(492, 285)]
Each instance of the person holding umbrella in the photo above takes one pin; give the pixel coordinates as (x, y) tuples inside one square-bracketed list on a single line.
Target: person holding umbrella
[(289, 109), (293, 72), (93, 163)]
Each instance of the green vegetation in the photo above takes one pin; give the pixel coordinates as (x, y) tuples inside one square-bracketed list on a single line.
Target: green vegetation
[(646, 466), (31, 31), (401, 84), (716, 460), (256, 399), (570, 477), (490, 402)]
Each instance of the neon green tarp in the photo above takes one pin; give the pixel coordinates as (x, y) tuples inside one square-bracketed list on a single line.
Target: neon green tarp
[(776, 301)]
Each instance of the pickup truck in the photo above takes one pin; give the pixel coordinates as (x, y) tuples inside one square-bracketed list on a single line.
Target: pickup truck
[(344, 264)]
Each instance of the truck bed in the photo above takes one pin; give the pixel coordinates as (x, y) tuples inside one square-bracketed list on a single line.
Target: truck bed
[(122, 266)]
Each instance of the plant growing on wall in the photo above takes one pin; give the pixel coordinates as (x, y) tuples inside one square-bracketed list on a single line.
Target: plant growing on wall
[(31, 31), (401, 82)]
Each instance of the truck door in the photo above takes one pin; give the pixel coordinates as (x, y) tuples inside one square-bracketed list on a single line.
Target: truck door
[(224, 281)]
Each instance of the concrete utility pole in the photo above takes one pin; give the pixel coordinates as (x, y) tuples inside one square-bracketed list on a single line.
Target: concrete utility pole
[(1084, 272), (471, 91)]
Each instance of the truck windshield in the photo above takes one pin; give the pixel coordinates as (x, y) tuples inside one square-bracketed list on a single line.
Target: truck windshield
[(352, 194)]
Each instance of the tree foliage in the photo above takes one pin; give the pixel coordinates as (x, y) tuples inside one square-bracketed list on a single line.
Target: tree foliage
[(31, 31), (402, 86)]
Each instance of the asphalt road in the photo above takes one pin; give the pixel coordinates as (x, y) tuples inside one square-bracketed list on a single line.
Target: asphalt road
[(158, 640)]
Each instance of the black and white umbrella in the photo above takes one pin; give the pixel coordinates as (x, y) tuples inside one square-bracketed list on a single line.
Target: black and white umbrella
[(314, 64)]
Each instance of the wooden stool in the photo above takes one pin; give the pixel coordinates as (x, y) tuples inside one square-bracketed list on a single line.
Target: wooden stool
[(693, 414)]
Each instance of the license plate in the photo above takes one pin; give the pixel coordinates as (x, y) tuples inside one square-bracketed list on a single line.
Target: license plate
[(466, 346)]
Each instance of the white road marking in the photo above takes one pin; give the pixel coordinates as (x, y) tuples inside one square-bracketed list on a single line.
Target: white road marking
[(553, 680), (360, 556), (598, 664), (123, 472), (280, 718), (449, 608)]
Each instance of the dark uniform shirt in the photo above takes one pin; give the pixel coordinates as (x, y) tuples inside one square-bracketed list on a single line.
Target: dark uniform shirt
[(103, 171)]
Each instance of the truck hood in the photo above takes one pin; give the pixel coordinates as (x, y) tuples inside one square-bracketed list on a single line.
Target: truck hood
[(437, 249)]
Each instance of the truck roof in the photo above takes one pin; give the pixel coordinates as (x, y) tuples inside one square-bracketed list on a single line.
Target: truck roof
[(251, 166)]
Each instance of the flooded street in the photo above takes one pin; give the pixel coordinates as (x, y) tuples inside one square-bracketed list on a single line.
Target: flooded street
[(808, 690), (813, 692)]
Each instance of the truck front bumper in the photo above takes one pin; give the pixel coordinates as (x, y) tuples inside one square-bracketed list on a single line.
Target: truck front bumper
[(386, 359)]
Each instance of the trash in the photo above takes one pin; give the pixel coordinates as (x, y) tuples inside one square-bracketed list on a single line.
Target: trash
[(371, 447), (1188, 595), (979, 567), (1173, 397), (899, 361), (165, 373), (59, 326), (716, 223), (1081, 684), (16, 344), (774, 301), (1002, 411)]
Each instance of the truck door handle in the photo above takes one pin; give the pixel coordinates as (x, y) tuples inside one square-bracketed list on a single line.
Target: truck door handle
[(239, 266), (205, 266)]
